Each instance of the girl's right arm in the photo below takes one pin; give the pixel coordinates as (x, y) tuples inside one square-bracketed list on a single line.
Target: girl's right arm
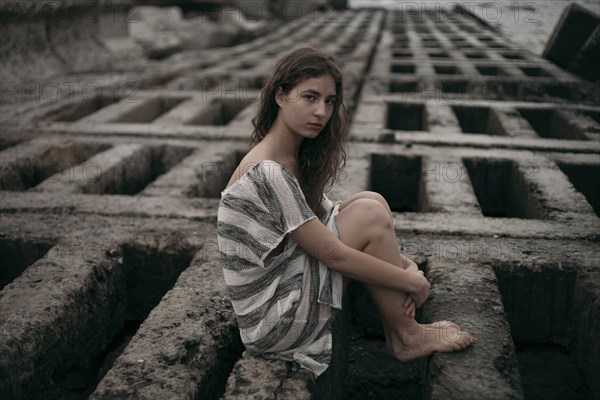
[(321, 243)]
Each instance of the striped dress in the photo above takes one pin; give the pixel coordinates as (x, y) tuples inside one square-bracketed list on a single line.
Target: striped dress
[(284, 303)]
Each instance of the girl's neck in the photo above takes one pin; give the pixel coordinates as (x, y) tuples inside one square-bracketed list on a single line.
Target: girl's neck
[(282, 142)]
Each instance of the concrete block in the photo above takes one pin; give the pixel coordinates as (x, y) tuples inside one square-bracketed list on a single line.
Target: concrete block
[(266, 379), (188, 344), (468, 295), (584, 328), (576, 32), (48, 324), (111, 171)]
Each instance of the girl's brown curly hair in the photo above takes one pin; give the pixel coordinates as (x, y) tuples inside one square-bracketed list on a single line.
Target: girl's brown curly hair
[(321, 159)]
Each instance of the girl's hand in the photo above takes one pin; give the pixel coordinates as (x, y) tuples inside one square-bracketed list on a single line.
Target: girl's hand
[(408, 264), (412, 267), (419, 296), (409, 307)]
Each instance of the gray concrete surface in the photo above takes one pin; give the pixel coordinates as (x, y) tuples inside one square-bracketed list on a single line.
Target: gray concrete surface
[(112, 289)]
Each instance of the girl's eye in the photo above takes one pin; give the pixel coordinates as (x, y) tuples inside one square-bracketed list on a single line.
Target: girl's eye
[(309, 97), (330, 101)]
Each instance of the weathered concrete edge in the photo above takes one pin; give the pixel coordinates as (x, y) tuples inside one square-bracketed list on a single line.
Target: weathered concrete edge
[(585, 329), (191, 358), (63, 321), (468, 294), (267, 379)]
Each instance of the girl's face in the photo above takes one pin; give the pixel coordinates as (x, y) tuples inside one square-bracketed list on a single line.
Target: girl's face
[(307, 108)]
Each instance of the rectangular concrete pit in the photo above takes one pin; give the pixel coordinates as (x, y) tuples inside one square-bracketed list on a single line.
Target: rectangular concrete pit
[(512, 56), (490, 70), (17, 255), (26, 165), (438, 55), (205, 110), (216, 174), (468, 295), (174, 351), (474, 119), (77, 110), (402, 68), (446, 69), (502, 191), (139, 109), (204, 173), (586, 179), (220, 112), (123, 169), (192, 358), (106, 289), (398, 179), (404, 86), (535, 71), (550, 325), (475, 56), (401, 54), (447, 187), (406, 117), (50, 324), (552, 123), (455, 86), (148, 110)]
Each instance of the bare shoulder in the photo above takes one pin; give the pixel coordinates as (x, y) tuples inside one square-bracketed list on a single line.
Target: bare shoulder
[(250, 160)]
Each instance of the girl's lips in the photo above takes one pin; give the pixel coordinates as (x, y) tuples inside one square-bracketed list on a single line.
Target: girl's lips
[(315, 125)]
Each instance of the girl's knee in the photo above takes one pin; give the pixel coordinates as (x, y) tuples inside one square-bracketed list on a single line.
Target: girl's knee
[(370, 213), (367, 194), (363, 221)]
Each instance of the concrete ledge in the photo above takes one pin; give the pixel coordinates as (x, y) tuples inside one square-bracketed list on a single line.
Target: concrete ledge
[(447, 188), (265, 379), (188, 344), (468, 295), (50, 324), (109, 206), (585, 328), (576, 31), (204, 173), (108, 172), (27, 164), (259, 378)]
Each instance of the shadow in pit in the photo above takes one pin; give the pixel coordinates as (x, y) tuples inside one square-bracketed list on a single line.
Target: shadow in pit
[(553, 314), (373, 373), (150, 272), (17, 255)]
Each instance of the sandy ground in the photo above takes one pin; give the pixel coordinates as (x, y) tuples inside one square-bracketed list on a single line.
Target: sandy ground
[(527, 23)]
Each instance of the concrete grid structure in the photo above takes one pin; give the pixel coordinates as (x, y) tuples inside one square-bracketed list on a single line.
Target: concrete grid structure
[(488, 154)]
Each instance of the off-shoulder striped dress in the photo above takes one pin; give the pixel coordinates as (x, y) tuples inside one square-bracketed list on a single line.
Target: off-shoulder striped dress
[(284, 303)]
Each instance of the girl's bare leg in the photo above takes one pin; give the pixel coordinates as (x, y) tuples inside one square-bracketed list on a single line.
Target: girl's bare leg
[(364, 224), (404, 261)]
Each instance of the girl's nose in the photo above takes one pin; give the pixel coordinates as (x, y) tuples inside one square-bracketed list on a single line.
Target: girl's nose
[(320, 108)]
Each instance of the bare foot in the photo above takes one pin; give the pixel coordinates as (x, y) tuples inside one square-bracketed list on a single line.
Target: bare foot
[(415, 340), (444, 325), (441, 325)]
